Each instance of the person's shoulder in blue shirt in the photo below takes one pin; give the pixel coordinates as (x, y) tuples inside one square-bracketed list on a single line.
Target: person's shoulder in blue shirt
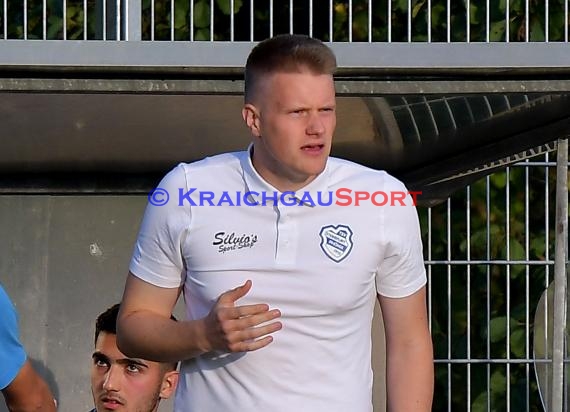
[(12, 354), (22, 387)]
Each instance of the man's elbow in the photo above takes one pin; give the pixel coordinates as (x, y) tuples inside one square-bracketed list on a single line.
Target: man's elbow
[(124, 343), (33, 403), (29, 393)]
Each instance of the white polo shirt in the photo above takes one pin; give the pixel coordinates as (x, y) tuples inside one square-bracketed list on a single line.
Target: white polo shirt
[(321, 266)]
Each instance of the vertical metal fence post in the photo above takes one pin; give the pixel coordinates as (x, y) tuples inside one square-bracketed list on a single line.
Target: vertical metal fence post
[(132, 10), (560, 281)]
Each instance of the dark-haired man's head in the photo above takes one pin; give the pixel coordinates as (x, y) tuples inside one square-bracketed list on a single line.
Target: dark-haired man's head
[(120, 383)]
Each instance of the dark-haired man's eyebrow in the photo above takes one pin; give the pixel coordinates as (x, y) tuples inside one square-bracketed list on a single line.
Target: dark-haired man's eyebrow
[(98, 356), (130, 361)]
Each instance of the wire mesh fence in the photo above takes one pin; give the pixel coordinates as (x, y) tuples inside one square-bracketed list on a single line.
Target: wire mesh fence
[(490, 256)]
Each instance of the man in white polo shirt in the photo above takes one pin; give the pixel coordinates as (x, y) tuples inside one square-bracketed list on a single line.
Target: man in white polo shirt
[(279, 282)]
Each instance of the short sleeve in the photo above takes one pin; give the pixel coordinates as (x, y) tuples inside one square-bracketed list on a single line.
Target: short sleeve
[(12, 354), (401, 271), (157, 256)]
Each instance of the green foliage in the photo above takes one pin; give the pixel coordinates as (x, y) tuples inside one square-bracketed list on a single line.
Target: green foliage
[(78, 18), (226, 6), (202, 14)]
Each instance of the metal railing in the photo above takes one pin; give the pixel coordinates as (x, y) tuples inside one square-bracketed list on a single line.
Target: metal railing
[(253, 20), (368, 36)]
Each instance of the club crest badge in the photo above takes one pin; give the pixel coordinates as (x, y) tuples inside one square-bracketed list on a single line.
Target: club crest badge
[(336, 241)]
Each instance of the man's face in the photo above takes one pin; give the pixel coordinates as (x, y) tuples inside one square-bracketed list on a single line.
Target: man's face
[(125, 384), (292, 118)]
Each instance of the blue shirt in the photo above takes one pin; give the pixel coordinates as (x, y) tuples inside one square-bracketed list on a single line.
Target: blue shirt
[(12, 354)]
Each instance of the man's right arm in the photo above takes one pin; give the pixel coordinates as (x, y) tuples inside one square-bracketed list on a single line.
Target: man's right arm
[(145, 330), (28, 392)]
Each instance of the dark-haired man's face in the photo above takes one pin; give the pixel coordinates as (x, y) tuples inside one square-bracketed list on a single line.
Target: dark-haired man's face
[(125, 384), (292, 119)]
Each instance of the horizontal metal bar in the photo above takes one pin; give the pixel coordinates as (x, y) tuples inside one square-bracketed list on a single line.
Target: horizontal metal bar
[(69, 184), (98, 53), (533, 164), (431, 57), (95, 83), (490, 262), (459, 84), (139, 86), (451, 55), (503, 361)]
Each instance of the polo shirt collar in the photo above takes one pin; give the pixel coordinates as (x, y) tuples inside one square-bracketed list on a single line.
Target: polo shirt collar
[(256, 183)]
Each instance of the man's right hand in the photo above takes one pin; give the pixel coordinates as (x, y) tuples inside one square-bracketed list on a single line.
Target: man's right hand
[(232, 328)]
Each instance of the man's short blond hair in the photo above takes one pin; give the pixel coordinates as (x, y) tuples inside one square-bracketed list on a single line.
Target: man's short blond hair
[(287, 53)]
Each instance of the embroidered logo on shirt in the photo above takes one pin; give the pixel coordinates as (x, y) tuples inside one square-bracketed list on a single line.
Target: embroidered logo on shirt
[(228, 242), (336, 241)]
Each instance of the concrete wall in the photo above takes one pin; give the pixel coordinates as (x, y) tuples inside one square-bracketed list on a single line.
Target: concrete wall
[(63, 260)]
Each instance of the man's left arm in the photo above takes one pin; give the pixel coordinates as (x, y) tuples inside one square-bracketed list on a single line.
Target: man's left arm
[(409, 353), (28, 392)]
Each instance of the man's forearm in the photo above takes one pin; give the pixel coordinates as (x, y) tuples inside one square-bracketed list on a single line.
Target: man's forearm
[(154, 337), (410, 379)]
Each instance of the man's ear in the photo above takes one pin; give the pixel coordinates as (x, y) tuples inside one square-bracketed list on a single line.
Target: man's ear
[(251, 118), (169, 383)]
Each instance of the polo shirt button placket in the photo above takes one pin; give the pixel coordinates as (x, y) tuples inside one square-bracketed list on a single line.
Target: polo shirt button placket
[(286, 232)]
